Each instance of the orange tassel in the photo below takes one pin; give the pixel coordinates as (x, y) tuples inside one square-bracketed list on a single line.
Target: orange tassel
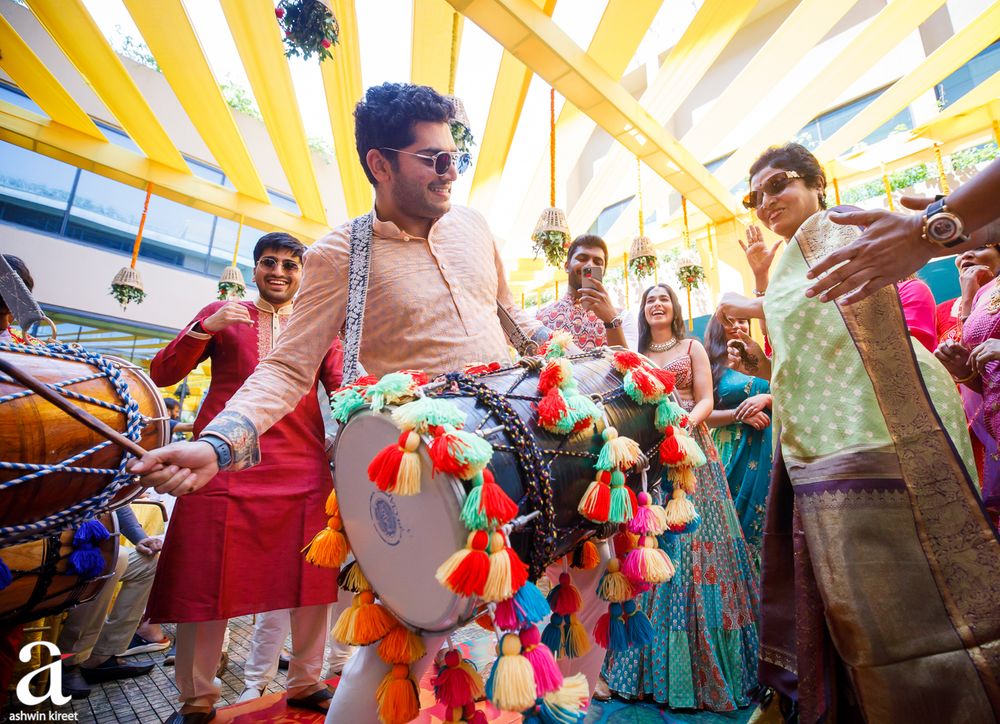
[(328, 548), (397, 697), (372, 622), (401, 646)]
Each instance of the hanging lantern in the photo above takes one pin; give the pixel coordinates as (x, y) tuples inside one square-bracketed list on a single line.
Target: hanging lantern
[(231, 284), (551, 234), (461, 128), (642, 253), (127, 285), (690, 272)]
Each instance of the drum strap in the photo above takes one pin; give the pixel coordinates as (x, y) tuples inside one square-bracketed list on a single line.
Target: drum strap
[(359, 269)]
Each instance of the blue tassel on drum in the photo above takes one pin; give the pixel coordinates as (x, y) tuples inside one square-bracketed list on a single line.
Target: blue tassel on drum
[(638, 629), (531, 603), (617, 637), (554, 633), (86, 560), (5, 575)]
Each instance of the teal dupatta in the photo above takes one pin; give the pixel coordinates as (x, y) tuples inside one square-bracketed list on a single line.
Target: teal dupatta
[(746, 455)]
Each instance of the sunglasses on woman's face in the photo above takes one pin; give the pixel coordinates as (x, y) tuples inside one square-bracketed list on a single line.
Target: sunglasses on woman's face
[(772, 187), (442, 160), (269, 262)]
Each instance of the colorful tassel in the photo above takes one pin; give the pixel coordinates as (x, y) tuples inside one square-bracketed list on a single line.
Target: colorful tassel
[(548, 678), (680, 511), (624, 361), (455, 685), (345, 402), (568, 704), (396, 468), (644, 520), (426, 412), (614, 586), (565, 598), (586, 556), (622, 502), (511, 685), (648, 564), (391, 389), (465, 573), (554, 633), (352, 578), (669, 414), (369, 623), (507, 571), (397, 697), (90, 532), (618, 453), (671, 452), (401, 646), (595, 505), (576, 642), (328, 548), (617, 635), (343, 629), (638, 629), (86, 560), (487, 505), (459, 453)]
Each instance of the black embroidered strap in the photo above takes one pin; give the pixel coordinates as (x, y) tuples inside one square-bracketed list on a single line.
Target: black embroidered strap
[(357, 292)]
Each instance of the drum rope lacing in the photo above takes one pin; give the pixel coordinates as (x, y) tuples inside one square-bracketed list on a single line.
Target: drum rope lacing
[(537, 479), (135, 421)]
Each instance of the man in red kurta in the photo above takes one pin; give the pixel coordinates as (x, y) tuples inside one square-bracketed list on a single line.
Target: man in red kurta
[(234, 547)]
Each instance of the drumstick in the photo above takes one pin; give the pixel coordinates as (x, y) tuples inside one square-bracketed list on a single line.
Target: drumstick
[(44, 391)]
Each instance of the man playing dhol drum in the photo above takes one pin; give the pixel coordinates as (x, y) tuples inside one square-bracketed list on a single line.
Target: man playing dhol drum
[(233, 549), (434, 281)]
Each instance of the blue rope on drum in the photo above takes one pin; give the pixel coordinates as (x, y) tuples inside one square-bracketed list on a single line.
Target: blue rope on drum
[(77, 513)]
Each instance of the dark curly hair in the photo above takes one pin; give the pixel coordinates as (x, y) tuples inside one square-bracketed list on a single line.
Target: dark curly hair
[(385, 118), (794, 157)]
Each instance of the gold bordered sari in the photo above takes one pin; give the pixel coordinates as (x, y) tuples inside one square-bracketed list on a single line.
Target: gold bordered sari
[(881, 572)]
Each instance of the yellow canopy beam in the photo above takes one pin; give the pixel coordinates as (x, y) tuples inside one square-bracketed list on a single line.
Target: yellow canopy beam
[(167, 29), (509, 92), (951, 54), (709, 32), (35, 133), (31, 76), (342, 86), (976, 111), (430, 54), (76, 33), (882, 33), (524, 30), (801, 31), (258, 40), (618, 35)]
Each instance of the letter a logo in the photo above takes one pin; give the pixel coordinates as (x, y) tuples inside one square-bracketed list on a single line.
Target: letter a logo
[(55, 691)]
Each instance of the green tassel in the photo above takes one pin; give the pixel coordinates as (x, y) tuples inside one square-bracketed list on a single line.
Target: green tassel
[(620, 507), (582, 407), (391, 388), (473, 516), (345, 403), (476, 453), (427, 411), (668, 413), (628, 384)]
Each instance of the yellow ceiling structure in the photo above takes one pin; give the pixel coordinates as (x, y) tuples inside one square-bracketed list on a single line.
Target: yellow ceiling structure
[(593, 80)]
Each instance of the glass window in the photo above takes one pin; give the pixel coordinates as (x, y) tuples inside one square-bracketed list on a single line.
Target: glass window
[(118, 137), (205, 171), (607, 217), (16, 96), (981, 67), (34, 188), (284, 202)]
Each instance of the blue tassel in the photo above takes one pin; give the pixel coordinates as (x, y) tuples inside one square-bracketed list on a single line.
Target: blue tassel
[(90, 532), (6, 577), (531, 603), (638, 629), (553, 633), (552, 714), (489, 680), (86, 562), (617, 637)]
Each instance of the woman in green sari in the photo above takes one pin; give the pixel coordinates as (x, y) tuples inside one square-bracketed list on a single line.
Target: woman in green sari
[(881, 572), (741, 429)]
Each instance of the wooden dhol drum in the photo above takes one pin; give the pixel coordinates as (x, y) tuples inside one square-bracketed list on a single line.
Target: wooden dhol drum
[(42, 583), (400, 541), (35, 432)]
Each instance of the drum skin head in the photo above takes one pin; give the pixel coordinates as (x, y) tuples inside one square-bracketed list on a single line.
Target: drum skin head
[(399, 542)]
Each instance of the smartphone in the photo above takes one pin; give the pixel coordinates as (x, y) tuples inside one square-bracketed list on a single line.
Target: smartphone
[(592, 272)]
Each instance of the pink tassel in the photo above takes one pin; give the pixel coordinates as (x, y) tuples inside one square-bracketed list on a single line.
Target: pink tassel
[(644, 520), (548, 678)]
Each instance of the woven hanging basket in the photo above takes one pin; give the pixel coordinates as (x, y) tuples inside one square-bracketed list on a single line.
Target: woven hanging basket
[(461, 128), (642, 246), (551, 236), (231, 284), (127, 286), (460, 116), (642, 257)]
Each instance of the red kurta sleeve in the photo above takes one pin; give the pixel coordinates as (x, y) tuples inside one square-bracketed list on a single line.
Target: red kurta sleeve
[(331, 372), (175, 361)]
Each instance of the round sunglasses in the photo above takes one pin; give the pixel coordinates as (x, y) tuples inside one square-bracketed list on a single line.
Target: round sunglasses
[(442, 160), (773, 186)]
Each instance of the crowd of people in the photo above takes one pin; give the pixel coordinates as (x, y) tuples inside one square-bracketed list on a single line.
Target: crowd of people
[(848, 504)]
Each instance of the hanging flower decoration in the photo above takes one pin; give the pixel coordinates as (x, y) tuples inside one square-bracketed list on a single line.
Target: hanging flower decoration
[(552, 243), (231, 290), (551, 235), (309, 27), (127, 285), (690, 272), (642, 257), (231, 284), (461, 127)]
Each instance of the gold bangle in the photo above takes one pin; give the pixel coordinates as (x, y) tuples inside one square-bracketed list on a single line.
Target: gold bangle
[(962, 381)]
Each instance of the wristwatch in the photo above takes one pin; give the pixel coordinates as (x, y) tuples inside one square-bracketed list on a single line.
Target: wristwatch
[(223, 452), (942, 227), (614, 323)]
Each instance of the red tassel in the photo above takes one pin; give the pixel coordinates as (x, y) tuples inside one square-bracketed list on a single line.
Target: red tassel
[(366, 381), (420, 377), (551, 409), (551, 377), (666, 378), (384, 469), (624, 360), (567, 599), (495, 503), (646, 382), (452, 686), (596, 502), (518, 570), (671, 452), (465, 573), (601, 630)]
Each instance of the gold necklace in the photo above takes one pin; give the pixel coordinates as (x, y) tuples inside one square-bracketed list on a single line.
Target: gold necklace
[(663, 346)]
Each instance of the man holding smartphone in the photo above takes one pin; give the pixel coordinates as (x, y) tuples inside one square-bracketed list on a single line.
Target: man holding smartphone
[(586, 311)]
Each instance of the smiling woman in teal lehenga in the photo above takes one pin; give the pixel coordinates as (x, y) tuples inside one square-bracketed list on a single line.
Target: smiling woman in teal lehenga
[(744, 445)]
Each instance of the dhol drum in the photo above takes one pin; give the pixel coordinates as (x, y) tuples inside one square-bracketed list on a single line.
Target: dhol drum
[(54, 471), (400, 541), (43, 582)]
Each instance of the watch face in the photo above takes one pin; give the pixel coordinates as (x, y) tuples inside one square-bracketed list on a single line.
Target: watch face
[(942, 227)]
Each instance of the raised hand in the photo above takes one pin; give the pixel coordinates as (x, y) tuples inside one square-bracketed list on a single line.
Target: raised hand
[(759, 256), (225, 316)]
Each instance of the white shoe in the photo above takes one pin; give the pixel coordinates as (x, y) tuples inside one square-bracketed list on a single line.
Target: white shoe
[(249, 694)]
